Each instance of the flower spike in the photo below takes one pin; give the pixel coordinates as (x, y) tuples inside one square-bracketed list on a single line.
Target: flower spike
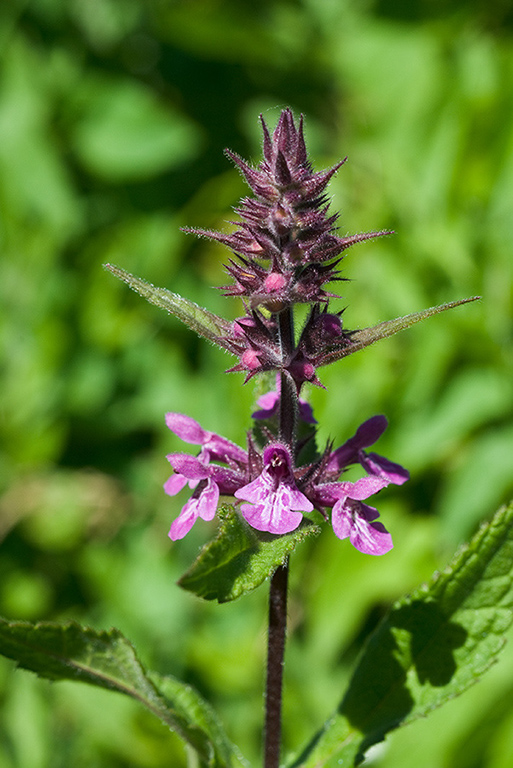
[(285, 250)]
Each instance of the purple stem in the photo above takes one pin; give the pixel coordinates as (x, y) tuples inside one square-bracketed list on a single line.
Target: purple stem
[(278, 589), (275, 654), (288, 394)]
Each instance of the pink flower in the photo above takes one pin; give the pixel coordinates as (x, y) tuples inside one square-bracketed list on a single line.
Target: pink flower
[(356, 520), (190, 431), (274, 496), (207, 480), (351, 452), (351, 518), (203, 503), (276, 492)]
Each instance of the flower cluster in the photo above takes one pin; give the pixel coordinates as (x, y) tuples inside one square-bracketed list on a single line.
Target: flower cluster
[(276, 492)]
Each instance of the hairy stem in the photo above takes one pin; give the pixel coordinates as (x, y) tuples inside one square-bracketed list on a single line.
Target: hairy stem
[(288, 397), (278, 589), (286, 330), (288, 410), (275, 654)]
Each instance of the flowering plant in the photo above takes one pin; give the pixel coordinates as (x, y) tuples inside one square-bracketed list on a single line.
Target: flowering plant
[(282, 486)]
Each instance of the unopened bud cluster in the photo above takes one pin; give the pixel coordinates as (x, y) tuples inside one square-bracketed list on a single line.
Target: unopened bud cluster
[(285, 251)]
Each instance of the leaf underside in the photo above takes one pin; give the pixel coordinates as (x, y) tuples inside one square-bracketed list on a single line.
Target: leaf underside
[(431, 647)]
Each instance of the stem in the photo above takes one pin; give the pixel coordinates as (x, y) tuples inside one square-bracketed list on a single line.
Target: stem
[(275, 654), (278, 588), (288, 396), (288, 410), (286, 330)]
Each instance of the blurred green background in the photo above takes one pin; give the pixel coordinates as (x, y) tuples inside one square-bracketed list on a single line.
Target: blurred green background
[(113, 118)]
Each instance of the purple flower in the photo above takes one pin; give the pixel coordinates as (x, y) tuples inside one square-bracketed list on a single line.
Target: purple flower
[(351, 452), (191, 432), (276, 492), (274, 496), (207, 480), (357, 522), (351, 518), (203, 502)]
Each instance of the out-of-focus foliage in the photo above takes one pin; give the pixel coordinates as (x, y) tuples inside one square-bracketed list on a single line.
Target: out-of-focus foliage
[(113, 117)]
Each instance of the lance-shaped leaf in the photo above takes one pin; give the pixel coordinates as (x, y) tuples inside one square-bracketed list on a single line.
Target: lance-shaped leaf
[(108, 660), (200, 320), (356, 340), (430, 648), (240, 558)]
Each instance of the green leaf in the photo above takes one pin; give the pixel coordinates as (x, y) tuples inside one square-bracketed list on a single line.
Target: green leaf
[(366, 336), (203, 322), (240, 558), (195, 711), (430, 648), (108, 660)]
